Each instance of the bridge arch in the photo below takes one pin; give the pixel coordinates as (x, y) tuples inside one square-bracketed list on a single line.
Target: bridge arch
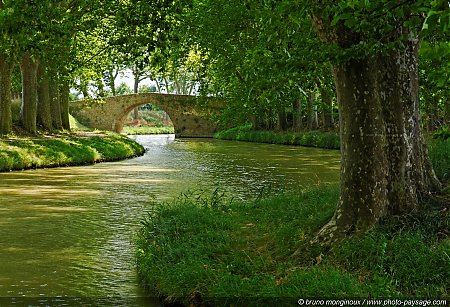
[(122, 118), (189, 119)]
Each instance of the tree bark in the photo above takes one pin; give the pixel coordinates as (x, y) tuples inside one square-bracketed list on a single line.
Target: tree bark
[(312, 111), (297, 115), (327, 104), (64, 96), (5, 95), (55, 103), (44, 116), (385, 166), (282, 120), (28, 111), (136, 90)]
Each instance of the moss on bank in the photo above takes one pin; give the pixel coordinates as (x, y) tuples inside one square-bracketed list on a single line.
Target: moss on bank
[(208, 251), (17, 153)]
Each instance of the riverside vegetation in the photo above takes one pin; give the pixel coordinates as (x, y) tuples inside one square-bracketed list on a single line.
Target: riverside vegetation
[(18, 151), (208, 250)]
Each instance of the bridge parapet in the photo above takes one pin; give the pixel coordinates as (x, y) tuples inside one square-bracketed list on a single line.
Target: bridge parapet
[(190, 118)]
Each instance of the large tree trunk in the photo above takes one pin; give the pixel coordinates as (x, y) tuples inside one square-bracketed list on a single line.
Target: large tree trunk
[(385, 166), (44, 116), (5, 95), (28, 111), (55, 103)]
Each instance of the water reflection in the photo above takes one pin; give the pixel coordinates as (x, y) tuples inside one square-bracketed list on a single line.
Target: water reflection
[(68, 232)]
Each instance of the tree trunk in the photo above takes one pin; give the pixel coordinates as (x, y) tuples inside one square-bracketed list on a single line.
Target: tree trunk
[(297, 115), (312, 111), (44, 116), (64, 103), (101, 88), (282, 120), (136, 90), (55, 103), (28, 111), (327, 104), (5, 95), (385, 167)]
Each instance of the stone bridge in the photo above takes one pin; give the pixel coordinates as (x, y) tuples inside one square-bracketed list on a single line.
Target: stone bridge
[(191, 116)]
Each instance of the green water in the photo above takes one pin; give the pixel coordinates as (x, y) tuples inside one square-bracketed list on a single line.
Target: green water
[(66, 234)]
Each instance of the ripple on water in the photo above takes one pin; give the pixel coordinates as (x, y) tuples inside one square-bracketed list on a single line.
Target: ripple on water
[(67, 233)]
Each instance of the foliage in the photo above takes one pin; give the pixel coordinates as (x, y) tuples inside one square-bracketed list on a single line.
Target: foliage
[(328, 140), (18, 153), (439, 150), (443, 133), (208, 250), (123, 89)]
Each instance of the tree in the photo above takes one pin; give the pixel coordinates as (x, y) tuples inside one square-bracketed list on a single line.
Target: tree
[(6, 69), (385, 168), (123, 89)]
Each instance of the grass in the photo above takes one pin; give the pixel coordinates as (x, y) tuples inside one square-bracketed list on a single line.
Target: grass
[(206, 250), (147, 130), (82, 146), (328, 140), (439, 150), (64, 149), (76, 125)]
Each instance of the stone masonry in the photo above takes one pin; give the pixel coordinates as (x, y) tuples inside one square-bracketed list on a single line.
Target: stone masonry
[(191, 116)]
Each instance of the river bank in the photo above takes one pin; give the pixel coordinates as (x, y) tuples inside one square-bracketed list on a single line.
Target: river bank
[(208, 251), (65, 149), (198, 250), (319, 139)]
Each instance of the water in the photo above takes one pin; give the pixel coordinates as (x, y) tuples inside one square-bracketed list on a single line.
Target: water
[(66, 234)]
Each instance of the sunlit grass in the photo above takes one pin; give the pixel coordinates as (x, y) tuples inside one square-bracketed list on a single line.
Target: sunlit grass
[(64, 150), (147, 130)]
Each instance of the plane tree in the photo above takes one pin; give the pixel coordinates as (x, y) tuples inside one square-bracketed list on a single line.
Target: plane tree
[(385, 168)]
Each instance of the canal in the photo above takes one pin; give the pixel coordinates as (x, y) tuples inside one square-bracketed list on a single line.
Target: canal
[(66, 234)]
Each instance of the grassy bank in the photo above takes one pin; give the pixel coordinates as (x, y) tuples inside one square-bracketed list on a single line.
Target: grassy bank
[(328, 140), (147, 130), (20, 152), (205, 250)]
